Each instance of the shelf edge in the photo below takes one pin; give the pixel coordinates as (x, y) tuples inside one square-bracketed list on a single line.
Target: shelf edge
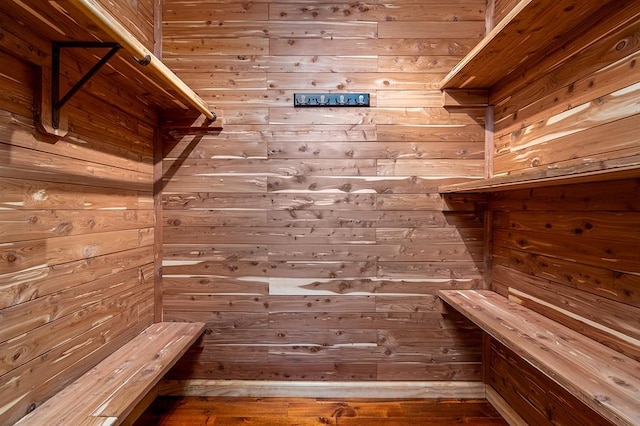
[(524, 181)]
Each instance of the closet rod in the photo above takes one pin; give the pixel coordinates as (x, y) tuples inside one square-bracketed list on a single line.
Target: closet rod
[(96, 13)]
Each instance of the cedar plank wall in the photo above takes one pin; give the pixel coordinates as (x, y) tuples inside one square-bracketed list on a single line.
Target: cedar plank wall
[(76, 223), (570, 252), (313, 241), (501, 8)]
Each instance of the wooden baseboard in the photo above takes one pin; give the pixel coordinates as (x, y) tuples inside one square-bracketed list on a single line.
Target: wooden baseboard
[(280, 389), (504, 408)]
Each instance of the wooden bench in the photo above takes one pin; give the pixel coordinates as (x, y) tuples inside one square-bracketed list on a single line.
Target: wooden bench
[(600, 377), (110, 391)]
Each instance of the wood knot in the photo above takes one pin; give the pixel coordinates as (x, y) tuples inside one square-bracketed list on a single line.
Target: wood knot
[(621, 45)]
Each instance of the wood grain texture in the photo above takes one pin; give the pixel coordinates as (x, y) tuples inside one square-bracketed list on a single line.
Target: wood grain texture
[(559, 272), (311, 411), (76, 219), (598, 376), (524, 29), (112, 389), (307, 221), (547, 402)]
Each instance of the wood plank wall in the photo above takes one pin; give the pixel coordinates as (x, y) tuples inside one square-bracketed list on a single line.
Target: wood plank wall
[(76, 224), (581, 115), (536, 398), (137, 16), (313, 241), (501, 8), (571, 253)]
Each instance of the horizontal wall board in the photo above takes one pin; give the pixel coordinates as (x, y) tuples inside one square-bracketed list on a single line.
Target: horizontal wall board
[(444, 168), (417, 286), (303, 62), (353, 81), (290, 269), (377, 219), (473, 132), (613, 254), (25, 194), (267, 235), (454, 371), (373, 11), (18, 256), (288, 202), (602, 225), (583, 148), (16, 162), (226, 11), (399, 46), (215, 218), (215, 47), (426, 185), (211, 284), (357, 116), (222, 320), (283, 372), (425, 270), (19, 131), (23, 286), (603, 282), (323, 389), (378, 150), (364, 321), (431, 29), (573, 197), (217, 183), (40, 224), (270, 167), (419, 63), (215, 252)]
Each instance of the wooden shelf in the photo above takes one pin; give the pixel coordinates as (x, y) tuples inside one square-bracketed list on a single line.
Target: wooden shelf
[(602, 378), (134, 68), (553, 177), (529, 29)]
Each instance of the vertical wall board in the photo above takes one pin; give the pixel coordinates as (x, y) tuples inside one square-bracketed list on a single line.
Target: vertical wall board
[(323, 225)]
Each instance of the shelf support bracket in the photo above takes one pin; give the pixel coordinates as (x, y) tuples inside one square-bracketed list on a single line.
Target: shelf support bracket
[(50, 118), (56, 102)]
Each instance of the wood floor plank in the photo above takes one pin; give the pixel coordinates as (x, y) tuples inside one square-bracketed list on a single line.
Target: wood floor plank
[(346, 409), (231, 411)]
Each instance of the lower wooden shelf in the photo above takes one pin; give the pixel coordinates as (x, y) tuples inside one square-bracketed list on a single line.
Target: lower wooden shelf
[(602, 378)]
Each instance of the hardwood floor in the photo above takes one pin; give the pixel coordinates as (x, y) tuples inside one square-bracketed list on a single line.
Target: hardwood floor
[(201, 411)]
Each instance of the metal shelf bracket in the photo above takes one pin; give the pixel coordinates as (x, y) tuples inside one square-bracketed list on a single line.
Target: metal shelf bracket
[(56, 101)]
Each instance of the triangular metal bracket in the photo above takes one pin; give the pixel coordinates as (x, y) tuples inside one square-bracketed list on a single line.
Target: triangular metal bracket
[(56, 102)]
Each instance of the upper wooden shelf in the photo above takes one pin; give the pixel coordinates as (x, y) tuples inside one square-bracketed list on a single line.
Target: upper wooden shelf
[(134, 68), (553, 177), (97, 16), (530, 28)]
